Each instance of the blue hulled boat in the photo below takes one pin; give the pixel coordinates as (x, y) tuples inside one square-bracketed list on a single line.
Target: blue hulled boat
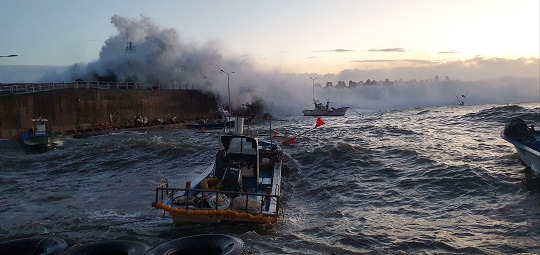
[(526, 140), (39, 137)]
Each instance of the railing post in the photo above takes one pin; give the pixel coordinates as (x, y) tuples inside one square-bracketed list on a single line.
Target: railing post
[(277, 205), (157, 190), (217, 199)]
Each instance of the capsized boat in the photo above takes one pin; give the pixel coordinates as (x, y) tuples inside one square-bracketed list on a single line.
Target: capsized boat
[(39, 137), (527, 142), (321, 110), (242, 184)]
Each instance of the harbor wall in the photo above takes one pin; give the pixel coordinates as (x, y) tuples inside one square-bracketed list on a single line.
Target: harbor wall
[(71, 110)]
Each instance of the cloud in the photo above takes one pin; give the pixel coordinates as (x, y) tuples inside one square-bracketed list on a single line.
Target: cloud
[(448, 52), (335, 50), (413, 61), (375, 61), (417, 61), (477, 68), (341, 50), (388, 50)]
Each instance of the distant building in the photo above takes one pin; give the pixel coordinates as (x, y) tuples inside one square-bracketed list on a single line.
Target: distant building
[(341, 84), (329, 84)]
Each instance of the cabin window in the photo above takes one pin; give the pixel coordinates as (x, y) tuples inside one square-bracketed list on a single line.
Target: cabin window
[(40, 127), (242, 146)]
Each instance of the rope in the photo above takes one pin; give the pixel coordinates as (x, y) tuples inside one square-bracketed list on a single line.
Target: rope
[(223, 201)]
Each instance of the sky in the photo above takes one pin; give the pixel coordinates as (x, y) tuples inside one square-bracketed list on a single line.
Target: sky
[(489, 49), (302, 36)]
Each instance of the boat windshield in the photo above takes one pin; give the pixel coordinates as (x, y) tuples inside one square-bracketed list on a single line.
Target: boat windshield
[(242, 145), (40, 127)]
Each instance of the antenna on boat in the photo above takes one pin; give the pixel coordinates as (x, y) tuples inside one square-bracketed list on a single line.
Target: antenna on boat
[(313, 79), (129, 48)]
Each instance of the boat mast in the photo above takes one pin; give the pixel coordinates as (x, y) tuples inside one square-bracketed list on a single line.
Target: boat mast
[(313, 79)]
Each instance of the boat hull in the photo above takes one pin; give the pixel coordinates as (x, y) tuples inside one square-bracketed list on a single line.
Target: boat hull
[(229, 124), (333, 112), (219, 216), (40, 140), (528, 149)]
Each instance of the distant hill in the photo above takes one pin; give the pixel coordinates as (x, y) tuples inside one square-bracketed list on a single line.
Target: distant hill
[(28, 73)]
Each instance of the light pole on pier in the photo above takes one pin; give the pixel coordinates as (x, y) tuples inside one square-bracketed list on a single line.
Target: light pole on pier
[(228, 89), (313, 79)]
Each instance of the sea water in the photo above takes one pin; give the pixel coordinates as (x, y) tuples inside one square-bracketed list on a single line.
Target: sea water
[(423, 180)]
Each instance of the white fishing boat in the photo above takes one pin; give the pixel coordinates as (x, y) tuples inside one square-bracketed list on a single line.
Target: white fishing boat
[(526, 140), (225, 121), (321, 110), (242, 184)]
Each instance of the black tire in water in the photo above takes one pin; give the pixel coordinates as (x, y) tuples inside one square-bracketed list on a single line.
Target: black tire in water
[(210, 244), (116, 247), (33, 245)]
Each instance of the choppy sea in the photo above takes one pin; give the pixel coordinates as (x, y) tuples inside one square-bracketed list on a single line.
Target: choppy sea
[(435, 180)]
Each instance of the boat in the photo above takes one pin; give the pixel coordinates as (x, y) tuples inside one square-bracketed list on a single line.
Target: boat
[(225, 121), (321, 110), (39, 137), (526, 140), (242, 184)]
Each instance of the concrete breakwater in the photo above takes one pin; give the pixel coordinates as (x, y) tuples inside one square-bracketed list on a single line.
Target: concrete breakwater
[(90, 109)]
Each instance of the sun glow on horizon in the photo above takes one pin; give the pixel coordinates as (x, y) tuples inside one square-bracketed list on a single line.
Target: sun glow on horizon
[(316, 36), (415, 33)]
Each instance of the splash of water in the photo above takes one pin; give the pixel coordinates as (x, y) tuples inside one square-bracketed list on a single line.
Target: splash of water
[(160, 55)]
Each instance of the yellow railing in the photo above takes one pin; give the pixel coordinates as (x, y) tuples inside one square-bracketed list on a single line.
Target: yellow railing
[(166, 195)]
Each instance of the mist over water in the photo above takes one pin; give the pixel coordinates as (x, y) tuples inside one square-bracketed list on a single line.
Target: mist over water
[(434, 93)]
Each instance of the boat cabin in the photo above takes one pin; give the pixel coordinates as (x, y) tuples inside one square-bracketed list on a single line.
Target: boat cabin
[(237, 163), (40, 125)]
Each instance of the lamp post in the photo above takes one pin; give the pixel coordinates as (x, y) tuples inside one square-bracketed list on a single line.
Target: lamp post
[(228, 90), (313, 79)]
